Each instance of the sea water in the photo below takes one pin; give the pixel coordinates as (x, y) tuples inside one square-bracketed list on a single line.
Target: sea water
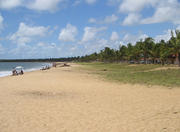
[(7, 67)]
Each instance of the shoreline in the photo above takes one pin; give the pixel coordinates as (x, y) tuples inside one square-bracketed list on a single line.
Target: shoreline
[(6, 73), (25, 71)]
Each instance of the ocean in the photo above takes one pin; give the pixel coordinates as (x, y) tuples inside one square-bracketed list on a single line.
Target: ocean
[(6, 67)]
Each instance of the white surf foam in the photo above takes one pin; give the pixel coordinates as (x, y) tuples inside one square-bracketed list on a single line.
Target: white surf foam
[(5, 73), (8, 73)]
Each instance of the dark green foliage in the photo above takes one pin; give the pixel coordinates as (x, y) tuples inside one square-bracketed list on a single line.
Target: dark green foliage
[(146, 51)]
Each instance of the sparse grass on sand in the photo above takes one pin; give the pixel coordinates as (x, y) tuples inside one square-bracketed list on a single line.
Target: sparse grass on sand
[(141, 74)]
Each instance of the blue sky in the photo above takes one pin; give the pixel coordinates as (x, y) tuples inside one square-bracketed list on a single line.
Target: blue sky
[(62, 28)]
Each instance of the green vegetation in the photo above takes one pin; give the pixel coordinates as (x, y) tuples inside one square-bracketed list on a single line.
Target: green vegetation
[(136, 74), (144, 51)]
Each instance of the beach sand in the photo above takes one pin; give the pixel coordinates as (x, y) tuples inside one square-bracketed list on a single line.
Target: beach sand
[(66, 99)]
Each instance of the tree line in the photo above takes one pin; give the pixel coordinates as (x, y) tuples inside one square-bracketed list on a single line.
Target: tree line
[(65, 59), (144, 51)]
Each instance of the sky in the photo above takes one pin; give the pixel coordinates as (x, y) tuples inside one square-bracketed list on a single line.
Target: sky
[(66, 28)]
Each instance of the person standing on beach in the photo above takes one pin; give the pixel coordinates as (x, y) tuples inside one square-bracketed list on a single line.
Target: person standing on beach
[(14, 72), (22, 72)]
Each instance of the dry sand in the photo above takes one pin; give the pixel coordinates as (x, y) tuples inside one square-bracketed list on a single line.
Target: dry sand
[(69, 100)]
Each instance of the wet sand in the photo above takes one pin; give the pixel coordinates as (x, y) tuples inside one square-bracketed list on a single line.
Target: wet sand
[(66, 99)]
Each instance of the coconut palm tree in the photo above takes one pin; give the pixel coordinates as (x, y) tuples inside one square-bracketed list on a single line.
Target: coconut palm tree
[(129, 51), (123, 53), (145, 48), (164, 51), (175, 41), (155, 52)]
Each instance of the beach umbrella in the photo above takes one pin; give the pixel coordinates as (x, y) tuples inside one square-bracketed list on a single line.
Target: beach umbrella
[(19, 67)]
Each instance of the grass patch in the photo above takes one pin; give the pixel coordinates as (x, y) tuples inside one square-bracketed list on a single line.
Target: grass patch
[(136, 74)]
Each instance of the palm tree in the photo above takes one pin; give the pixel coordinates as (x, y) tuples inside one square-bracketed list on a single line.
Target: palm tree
[(164, 51), (175, 41), (108, 55), (148, 45), (155, 52), (123, 53), (145, 48), (129, 51)]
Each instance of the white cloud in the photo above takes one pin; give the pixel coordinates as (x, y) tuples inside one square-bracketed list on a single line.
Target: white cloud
[(166, 35), (77, 2), (9, 4), (1, 21), (167, 12), (107, 20), (68, 34), (129, 38), (96, 46), (133, 9), (99, 44), (110, 19), (44, 5), (92, 20), (47, 49), (91, 32), (40, 44), (90, 1), (114, 36), (39, 5), (164, 11), (131, 19), (135, 5), (40, 50), (26, 33)]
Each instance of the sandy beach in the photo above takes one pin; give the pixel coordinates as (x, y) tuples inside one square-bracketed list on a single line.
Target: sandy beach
[(66, 99)]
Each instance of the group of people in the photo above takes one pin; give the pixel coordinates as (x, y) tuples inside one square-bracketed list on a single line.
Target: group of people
[(15, 72), (46, 68)]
